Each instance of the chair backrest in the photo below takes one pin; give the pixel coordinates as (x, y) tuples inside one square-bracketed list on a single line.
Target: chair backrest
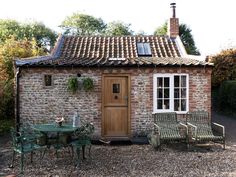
[(15, 137), (198, 117), (85, 130), (165, 118), (18, 139)]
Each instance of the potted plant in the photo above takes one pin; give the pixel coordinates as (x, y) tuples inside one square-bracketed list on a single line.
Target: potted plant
[(73, 84), (88, 84)]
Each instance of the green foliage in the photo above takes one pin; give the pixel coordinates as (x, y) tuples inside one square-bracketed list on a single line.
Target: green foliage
[(185, 36), (7, 99), (88, 84), (227, 97), (44, 36), (118, 28), (82, 24), (224, 66), (162, 30), (187, 39), (73, 84), (9, 28), (5, 125), (10, 50)]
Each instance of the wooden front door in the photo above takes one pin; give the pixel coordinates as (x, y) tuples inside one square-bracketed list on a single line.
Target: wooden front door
[(115, 106)]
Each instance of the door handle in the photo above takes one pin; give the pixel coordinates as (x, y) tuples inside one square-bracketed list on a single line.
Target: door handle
[(126, 98)]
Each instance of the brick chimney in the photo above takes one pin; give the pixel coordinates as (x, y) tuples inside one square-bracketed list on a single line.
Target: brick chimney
[(173, 24)]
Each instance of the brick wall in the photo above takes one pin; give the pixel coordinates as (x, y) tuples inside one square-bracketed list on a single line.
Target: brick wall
[(41, 104)]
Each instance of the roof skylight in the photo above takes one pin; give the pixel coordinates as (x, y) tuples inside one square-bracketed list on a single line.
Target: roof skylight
[(144, 49)]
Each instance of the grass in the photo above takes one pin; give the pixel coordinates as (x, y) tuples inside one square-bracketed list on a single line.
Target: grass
[(5, 125)]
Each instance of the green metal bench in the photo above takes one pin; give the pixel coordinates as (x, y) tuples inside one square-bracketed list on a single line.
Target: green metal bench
[(167, 129), (202, 128)]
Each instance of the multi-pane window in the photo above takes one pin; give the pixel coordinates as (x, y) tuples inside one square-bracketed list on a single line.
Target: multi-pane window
[(144, 49), (170, 92), (180, 93)]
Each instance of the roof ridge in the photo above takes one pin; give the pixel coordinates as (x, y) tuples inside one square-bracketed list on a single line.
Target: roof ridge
[(57, 48), (91, 36)]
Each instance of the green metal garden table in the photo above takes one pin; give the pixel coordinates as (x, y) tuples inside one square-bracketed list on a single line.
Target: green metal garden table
[(45, 128), (64, 129)]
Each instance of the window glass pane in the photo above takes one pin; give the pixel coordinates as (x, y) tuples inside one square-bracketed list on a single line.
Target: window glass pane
[(140, 49), (159, 93), (183, 105), (176, 93), (48, 80), (183, 93), (176, 81), (159, 82), (183, 81), (147, 49), (159, 104), (176, 105), (166, 82), (166, 93), (116, 88), (166, 104)]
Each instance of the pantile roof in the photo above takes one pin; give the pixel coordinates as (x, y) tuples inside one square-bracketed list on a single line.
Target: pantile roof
[(113, 51)]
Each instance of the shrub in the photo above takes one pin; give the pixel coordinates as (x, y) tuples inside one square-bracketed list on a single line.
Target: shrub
[(224, 66), (227, 97), (5, 125)]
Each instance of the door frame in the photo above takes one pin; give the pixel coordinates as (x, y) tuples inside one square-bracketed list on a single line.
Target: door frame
[(103, 101)]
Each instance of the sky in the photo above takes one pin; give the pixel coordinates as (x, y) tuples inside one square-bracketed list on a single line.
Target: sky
[(212, 22)]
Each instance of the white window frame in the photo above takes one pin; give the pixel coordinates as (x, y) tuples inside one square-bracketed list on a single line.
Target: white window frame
[(171, 91)]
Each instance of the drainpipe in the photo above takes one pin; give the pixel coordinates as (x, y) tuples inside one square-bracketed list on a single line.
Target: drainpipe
[(17, 99)]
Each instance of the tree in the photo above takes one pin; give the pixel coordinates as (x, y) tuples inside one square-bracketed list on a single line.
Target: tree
[(10, 50), (224, 66), (185, 35), (82, 24), (43, 35), (9, 28), (118, 28)]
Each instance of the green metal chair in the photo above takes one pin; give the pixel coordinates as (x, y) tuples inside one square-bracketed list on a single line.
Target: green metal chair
[(22, 143), (82, 138), (167, 129), (29, 132), (202, 128)]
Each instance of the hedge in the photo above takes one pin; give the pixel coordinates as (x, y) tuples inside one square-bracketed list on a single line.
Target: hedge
[(227, 97)]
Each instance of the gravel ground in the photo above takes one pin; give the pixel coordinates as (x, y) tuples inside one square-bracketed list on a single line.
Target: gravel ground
[(131, 160)]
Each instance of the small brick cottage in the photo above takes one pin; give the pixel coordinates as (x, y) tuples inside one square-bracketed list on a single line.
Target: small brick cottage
[(134, 77)]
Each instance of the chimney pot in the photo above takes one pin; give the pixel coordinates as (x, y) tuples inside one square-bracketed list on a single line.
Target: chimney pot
[(173, 6), (173, 25)]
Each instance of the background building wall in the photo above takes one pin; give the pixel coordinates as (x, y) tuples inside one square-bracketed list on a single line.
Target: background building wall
[(39, 104)]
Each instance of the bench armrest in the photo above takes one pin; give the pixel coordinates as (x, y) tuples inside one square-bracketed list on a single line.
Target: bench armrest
[(221, 126), (184, 125), (158, 128), (195, 130)]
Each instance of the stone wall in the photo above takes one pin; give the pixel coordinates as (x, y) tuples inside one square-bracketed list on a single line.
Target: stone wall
[(42, 104)]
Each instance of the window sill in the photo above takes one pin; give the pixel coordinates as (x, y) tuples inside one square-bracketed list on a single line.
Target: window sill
[(166, 111)]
